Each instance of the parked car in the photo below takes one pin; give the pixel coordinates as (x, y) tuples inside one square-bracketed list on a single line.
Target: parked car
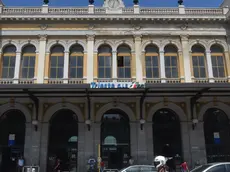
[(139, 168), (213, 167)]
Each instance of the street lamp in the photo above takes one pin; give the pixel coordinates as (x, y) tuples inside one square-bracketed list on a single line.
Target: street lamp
[(142, 122), (88, 123), (135, 2), (46, 1), (180, 2), (194, 123), (91, 2), (35, 124)]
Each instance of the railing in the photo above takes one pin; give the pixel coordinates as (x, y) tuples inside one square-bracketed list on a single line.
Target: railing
[(102, 10)]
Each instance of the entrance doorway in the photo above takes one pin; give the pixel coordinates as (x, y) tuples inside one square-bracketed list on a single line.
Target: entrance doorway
[(167, 134), (63, 141), (217, 135), (12, 139), (115, 139)]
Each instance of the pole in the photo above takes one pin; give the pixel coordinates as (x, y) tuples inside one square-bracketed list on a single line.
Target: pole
[(99, 156)]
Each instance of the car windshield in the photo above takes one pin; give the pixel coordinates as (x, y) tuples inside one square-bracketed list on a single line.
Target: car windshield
[(201, 168)]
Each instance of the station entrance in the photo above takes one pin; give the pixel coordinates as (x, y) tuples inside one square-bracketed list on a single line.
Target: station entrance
[(115, 139), (12, 139)]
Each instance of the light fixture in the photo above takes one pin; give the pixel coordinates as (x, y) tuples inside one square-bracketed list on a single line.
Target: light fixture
[(35, 124), (142, 122), (194, 123), (88, 123)]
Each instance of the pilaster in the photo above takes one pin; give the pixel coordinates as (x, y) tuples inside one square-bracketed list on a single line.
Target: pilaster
[(27, 145), (114, 65), (90, 58), (133, 141), (139, 75), (66, 67), (81, 147), (209, 65), (162, 67), (17, 67)]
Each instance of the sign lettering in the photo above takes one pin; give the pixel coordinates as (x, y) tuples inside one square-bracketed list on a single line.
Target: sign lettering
[(129, 85)]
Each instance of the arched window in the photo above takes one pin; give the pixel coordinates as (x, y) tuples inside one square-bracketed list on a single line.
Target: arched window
[(8, 61), (152, 61), (76, 61), (57, 62), (104, 61), (218, 62), (171, 61), (198, 61), (28, 61), (123, 62)]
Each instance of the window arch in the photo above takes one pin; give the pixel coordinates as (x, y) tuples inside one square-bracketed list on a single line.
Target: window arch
[(8, 61), (76, 61), (56, 62), (199, 61), (218, 62), (28, 61), (152, 66), (123, 61), (104, 61), (110, 140), (171, 61)]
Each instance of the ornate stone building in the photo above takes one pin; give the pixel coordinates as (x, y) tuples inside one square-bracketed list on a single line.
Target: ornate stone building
[(51, 59)]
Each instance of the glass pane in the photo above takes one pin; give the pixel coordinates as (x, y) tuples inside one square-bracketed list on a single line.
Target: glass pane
[(148, 72), (148, 60), (31, 73), (24, 72), (194, 61), (11, 72), (108, 61), (201, 61), (60, 73), (79, 61), (167, 61), (32, 61), (221, 72), (12, 61), (25, 61), (5, 61), (215, 71), (155, 61), (72, 73), (53, 72), (53, 61), (108, 73), (120, 72), (101, 73), (174, 72), (4, 72), (168, 72), (60, 61), (214, 62), (72, 61), (100, 61), (202, 72), (127, 61), (218, 169), (79, 72), (156, 73), (220, 61), (174, 61), (196, 72), (127, 73)]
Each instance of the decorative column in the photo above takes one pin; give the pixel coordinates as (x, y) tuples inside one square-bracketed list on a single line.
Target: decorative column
[(133, 66), (139, 75), (17, 67), (181, 65), (133, 140), (90, 58), (227, 60), (114, 65), (143, 65), (41, 59), (149, 141), (162, 67), (85, 66), (209, 65), (97, 137), (81, 147), (186, 58), (27, 146), (47, 66), (66, 67)]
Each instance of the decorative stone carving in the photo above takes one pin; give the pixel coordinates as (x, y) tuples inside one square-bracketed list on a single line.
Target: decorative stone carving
[(91, 26), (43, 26), (136, 27), (137, 37), (42, 37), (90, 37), (184, 26)]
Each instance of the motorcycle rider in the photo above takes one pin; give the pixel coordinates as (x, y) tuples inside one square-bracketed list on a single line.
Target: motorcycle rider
[(160, 164)]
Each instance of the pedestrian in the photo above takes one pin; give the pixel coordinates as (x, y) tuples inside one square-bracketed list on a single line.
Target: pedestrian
[(57, 167), (184, 167), (102, 165), (131, 161), (20, 163)]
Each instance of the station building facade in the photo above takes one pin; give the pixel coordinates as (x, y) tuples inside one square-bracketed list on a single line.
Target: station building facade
[(52, 57)]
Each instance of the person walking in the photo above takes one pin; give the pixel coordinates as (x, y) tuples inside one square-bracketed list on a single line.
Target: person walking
[(184, 167), (57, 167), (20, 163)]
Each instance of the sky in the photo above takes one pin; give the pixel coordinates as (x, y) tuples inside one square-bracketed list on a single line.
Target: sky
[(143, 3)]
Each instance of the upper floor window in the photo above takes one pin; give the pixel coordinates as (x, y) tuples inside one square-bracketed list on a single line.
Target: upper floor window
[(76, 61), (56, 62), (123, 62), (152, 61), (171, 61), (199, 61), (218, 62), (8, 61), (104, 61), (28, 61)]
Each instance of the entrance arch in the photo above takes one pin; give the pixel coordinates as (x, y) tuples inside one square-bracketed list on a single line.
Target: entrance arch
[(217, 135), (12, 139), (63, 140), (115, 139), (167, 133)]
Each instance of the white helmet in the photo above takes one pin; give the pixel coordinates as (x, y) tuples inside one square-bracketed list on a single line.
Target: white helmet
[(159, 161)]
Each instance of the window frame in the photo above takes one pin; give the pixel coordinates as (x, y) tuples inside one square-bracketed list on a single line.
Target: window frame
[(152, 54), (30, 55), (8, 55), (172, 54), (57, 55), (76, 55), (196, 54), (104, 55), (124, 54), (224, 63)]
